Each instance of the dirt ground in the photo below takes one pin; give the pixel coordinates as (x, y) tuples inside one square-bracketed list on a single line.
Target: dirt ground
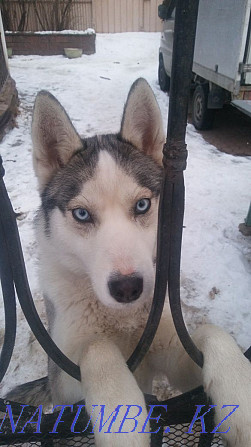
[(231, 132)]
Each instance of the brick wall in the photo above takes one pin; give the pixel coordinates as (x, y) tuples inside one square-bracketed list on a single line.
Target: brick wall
[(49, 44)]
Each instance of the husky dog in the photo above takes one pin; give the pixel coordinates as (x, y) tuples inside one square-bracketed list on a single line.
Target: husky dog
[(97, 237)]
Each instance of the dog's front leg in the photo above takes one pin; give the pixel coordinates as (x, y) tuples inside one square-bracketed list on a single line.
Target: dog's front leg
[(111, 388), (226, 377)]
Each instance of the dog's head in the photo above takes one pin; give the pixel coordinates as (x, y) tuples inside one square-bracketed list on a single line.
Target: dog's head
[(100, 195)]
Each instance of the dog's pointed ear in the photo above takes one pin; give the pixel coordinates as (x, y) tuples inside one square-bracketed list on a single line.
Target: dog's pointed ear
[(53, 136), (142, 122)]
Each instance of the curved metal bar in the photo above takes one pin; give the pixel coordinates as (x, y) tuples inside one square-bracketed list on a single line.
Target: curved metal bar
[(9, 299), (174, 279), (11, 236), (248, 353), (162, 265), (171, 208), (175, 152)]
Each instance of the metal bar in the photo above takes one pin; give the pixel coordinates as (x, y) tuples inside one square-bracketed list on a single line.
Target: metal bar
[(175, 154), (181, 75), (9, 305), (9, 299), (12, 239), (162, 264), (171, 208), (248, 353), (248, 218)]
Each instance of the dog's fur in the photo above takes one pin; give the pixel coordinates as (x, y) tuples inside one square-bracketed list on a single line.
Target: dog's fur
[(98, 275)]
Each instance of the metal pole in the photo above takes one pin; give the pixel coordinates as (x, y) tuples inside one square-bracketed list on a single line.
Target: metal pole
[(171, 209), (175, 154)]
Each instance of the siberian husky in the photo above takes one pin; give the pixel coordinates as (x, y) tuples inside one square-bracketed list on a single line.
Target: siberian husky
[(97, 236)]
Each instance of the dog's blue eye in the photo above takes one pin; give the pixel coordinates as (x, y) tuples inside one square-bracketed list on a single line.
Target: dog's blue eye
[(81, 215), (142, 206)]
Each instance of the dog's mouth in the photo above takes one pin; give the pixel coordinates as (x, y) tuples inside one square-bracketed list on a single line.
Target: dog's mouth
[(125, 288)]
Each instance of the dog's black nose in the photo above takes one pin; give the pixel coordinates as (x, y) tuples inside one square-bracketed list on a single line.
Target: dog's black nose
[(125, 288)]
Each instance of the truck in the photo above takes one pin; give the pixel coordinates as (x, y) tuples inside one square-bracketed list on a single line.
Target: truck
[(221, 70)]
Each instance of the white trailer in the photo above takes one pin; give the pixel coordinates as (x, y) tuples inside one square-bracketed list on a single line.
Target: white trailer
[(222, 56)]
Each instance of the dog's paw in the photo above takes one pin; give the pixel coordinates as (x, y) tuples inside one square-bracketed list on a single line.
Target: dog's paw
[(121, 440), (227, 381)]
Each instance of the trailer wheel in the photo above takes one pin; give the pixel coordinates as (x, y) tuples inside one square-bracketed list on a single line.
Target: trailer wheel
[(202, 117), (164, 79)]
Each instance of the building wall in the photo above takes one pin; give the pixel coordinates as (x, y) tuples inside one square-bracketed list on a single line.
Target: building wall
[(126, 15)]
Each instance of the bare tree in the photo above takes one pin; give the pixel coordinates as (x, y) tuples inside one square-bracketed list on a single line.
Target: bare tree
[(53, 15), (15, 15)]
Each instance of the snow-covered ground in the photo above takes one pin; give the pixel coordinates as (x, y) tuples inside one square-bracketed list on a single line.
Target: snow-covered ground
[(216, 257)]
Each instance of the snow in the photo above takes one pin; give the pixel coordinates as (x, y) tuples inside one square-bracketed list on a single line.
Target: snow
[(68, 31), (65, 31), (216, 257)]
